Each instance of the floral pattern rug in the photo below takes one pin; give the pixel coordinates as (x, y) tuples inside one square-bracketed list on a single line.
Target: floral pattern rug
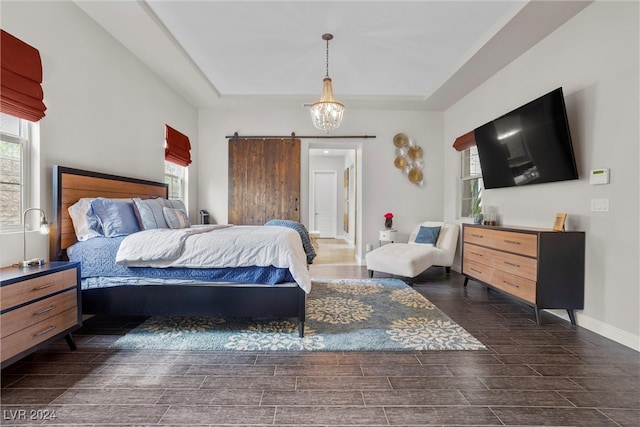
[(342, 315)]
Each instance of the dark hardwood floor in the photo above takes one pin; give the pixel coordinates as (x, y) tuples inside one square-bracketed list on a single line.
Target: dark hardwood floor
[(552, 375)]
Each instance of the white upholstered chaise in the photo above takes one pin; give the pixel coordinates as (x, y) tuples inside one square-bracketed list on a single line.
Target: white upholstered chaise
[(410, 259)]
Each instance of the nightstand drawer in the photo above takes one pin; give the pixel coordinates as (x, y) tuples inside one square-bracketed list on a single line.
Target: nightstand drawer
[(15, 320), (31, 289), (35, 334)]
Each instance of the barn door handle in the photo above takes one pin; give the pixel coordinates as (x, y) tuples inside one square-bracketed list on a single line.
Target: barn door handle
[(295, 205)]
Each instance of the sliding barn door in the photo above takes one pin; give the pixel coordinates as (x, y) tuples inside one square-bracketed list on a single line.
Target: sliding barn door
[(264, 180)]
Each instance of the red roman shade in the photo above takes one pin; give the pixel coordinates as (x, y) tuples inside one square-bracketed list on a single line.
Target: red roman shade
[(21, 92), (178, 148), (465, 141)]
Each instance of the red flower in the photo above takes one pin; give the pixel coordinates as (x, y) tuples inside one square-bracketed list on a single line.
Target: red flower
[(388, 215)]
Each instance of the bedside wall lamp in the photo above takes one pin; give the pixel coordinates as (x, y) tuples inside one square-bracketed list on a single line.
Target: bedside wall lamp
[(44, 229)]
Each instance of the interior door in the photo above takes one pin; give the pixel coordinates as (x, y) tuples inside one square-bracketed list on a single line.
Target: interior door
[(264, 180), (324, 203)]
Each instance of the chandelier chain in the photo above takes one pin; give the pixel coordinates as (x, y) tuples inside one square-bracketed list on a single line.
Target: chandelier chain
[(327, 58)]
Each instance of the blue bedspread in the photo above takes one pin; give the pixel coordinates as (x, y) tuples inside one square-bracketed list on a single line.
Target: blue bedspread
[(97, 258), (302, 231)]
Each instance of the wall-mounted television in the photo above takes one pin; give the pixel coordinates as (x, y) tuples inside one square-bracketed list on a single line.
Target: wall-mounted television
[(529, 145)]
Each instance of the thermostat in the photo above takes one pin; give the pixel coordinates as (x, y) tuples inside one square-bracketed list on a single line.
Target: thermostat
[(599, 176)]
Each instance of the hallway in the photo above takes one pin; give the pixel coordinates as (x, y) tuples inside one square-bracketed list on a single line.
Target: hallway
[(334, 251)]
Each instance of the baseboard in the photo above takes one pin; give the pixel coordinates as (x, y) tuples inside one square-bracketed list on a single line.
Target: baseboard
[(611, 332)]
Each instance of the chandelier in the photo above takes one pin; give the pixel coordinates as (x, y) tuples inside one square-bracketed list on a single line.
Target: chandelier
[(326, 114)]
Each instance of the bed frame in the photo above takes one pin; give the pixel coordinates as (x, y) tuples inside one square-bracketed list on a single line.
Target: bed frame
[(205, 299)]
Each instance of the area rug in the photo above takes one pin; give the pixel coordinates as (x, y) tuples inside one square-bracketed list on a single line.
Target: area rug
[(342, 315)]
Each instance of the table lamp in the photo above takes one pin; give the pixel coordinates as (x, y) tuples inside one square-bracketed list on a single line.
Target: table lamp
[(44, 229)]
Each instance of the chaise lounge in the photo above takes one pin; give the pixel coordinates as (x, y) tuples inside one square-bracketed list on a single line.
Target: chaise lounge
[(431, 243)]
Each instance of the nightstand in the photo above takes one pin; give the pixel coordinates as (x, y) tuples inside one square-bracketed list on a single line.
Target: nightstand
[(40, 304), (388, 235)]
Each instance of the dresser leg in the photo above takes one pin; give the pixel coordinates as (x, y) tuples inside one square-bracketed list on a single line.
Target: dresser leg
[(70, 342), (572, 316), (466, 280)]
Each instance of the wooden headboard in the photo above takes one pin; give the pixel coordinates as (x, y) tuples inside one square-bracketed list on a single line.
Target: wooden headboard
[(69, 185)]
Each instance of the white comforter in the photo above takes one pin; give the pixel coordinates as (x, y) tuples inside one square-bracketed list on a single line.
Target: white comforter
[(217, 247)]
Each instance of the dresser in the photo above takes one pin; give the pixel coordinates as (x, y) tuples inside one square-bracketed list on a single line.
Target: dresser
[(540, 267), (39, 305)]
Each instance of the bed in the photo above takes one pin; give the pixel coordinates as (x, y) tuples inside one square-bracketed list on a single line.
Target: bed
[(171, 298)]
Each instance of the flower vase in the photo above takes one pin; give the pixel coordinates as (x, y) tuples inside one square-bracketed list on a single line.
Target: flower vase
[(388, 223)]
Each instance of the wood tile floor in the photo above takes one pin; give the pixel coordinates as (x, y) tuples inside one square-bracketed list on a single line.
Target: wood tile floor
[(552, 375)]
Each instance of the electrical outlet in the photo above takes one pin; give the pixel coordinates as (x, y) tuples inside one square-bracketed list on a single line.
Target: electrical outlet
[(599, 205)]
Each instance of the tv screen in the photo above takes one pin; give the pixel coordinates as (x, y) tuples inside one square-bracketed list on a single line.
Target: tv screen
[(529, 145)]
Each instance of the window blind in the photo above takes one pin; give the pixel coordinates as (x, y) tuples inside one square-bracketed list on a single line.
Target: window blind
[(178, 148), (465, 141), (21, 93)]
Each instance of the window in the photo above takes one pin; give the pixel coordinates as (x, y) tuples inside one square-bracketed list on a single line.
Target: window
[(175, 176), (470, 183), (14, 170)]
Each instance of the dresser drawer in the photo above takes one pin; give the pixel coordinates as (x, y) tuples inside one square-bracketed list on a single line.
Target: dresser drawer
[(31, 289), (478, 254), (515, 264), (37, 333), (515, 285), (520, 243), (479, 271), (15, 320)]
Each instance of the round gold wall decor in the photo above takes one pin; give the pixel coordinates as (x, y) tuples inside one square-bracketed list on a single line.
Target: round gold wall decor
[(400, 140), (415, 152), (400, 162), (415, 175)]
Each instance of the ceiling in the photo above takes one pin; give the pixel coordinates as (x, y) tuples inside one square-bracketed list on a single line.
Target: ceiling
[(415, 55)]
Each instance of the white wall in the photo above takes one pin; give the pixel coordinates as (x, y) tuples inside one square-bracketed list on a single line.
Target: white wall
[(384, 188), (594, 57), (106, 111)]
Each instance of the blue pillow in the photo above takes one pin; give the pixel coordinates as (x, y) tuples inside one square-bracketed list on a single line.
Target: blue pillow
[(176, 218), (427, 235), (149, 213), (116, 217)]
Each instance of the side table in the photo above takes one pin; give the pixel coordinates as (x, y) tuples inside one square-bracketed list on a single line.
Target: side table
[(40, 304), (387, 235)]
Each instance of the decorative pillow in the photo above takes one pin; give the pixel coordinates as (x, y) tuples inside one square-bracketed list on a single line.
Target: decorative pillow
[(176, 218), (85, 222), (175, 204), (149, 212), (116, 217), (427, 235)]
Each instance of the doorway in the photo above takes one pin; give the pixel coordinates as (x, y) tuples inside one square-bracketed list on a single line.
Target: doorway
[(338, 159)]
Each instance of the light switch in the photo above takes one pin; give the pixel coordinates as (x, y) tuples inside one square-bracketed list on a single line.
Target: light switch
[(599, 205)]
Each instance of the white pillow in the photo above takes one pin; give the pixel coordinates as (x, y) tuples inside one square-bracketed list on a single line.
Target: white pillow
[(85, 222)]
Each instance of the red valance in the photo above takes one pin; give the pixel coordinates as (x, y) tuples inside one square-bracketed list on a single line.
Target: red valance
[(21, 92), (465, 141), (178, 148)]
